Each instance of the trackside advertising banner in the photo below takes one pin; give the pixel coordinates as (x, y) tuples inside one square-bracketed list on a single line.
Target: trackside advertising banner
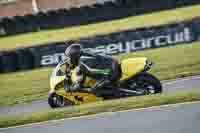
[(112, 44), (132, 43), (51, 56), (125, 42)]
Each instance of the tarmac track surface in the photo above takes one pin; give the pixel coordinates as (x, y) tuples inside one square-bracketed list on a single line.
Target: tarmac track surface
[(168, 87), (180, 118)]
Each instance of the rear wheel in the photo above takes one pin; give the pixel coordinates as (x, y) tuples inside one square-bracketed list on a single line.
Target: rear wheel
[(56, 101), (145, 84)]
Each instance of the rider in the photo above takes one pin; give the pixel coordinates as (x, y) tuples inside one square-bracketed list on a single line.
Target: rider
[(102, 68)]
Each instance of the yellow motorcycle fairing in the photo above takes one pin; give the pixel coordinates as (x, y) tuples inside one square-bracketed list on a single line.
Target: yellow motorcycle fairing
[(75, 97), (78, 97), (131, 67), (57, 87), (54, 81)]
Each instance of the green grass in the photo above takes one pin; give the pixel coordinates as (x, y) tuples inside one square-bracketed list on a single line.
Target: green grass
[(99, 107), (173, 62), (154, 19)]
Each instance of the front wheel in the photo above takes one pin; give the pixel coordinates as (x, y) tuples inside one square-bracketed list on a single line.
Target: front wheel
[(145, 84), (56, 101)]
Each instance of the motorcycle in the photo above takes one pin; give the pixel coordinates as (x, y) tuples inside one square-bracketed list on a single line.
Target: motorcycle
[(133, 81)]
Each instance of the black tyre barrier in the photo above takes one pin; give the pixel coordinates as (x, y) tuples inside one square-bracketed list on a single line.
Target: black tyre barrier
[(31, 23), (8, 22), (20, 24), (42, 19), (63, 20), (8, 61), (1, 65), (194, 25), (2, 29), (111, 44), (121, 2), (36, 56), (25, 59), (55, 19), (88, 14)]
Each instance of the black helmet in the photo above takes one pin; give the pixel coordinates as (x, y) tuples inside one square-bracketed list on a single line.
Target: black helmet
[(73, 52)]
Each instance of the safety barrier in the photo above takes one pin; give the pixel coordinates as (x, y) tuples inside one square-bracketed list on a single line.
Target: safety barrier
[(8, 61), (85, 15), (111, 44)]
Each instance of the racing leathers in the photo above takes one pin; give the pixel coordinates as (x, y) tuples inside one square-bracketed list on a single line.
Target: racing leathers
[(104, 69)]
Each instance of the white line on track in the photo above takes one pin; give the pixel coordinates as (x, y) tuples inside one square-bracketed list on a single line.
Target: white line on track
[(169, 82), (98, 115)]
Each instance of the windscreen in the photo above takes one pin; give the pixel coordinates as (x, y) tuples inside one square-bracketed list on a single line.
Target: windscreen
[(60, 69), (57, 71)]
